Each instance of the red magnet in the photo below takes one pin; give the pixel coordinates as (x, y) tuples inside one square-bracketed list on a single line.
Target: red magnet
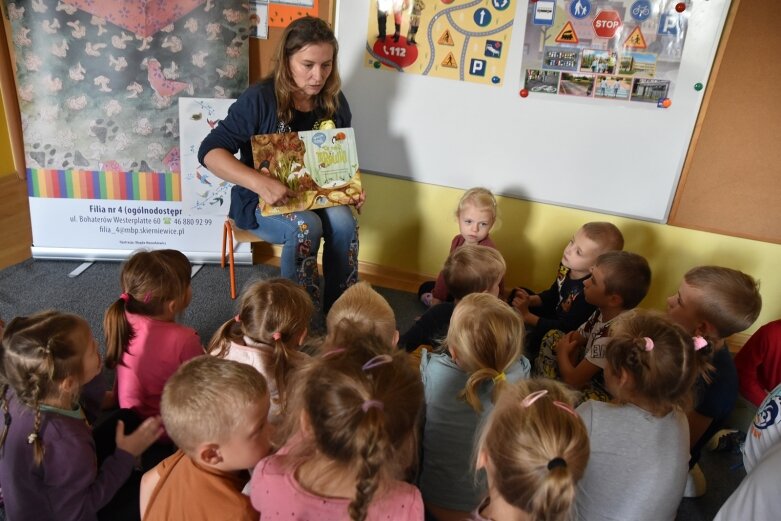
[(524, 93), (680, 7)]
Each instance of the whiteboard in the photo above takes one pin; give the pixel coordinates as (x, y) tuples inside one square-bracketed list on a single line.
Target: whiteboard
[(617, 159)]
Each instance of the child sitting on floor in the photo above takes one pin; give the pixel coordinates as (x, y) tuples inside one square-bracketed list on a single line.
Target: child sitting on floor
[(362, 305), (713, 302), (484, 351), (619, 282), (639, 443), (562, 307), (350, 439), (534, 449), (266, 333), (476, 216), (469, 269), (216, 412)]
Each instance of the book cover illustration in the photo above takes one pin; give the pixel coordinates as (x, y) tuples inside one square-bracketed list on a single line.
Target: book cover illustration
[(321, 166)]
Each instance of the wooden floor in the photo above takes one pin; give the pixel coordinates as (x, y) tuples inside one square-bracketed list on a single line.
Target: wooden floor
[(14, 221)]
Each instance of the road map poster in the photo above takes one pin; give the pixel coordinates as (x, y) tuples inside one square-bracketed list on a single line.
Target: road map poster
[(620, 50), (464, 40)]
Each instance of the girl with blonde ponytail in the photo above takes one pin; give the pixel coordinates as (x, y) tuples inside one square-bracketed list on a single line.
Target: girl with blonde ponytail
[(534, 449), (484, 353), (266, 333)]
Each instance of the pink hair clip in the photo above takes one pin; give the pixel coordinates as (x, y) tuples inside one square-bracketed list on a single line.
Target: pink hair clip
[(147, 297), (649, 344), (699, 343), (237, 318), (533, 397), (376, 362), (276, 336), (565, 407), (125, 297), (368, 404)]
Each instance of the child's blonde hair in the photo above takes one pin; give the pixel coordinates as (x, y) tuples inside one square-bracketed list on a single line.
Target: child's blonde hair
[(362, 404), (537, 448), (38, 352), (362, 305), (606, 234), (659, 356), (273, 313), (627, 275), (479, 197), (205, 400), (730, 299), (486, 336), (473, 269), (150, 280)]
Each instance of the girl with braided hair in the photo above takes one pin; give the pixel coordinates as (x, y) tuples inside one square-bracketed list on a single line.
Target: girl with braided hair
[(350, 438), (267, 333), (48, 463), (640, 443), (534, 448)]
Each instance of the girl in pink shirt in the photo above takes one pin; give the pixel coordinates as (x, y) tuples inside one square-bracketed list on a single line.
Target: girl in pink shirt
[(350, 438), (266, 333), (143, 341)]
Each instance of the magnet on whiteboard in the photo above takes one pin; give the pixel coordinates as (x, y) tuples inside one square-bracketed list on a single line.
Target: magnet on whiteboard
[(680, 7), (698, 86), (664, 103), (524, 93)]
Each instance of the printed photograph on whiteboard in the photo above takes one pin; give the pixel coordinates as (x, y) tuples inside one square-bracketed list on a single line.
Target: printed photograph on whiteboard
[(541, 81), (649, 90), (258, 19), (576, 84), (598, 61), (202, 192), (613, 87), (638, 64), (459, 40), (604, 38)]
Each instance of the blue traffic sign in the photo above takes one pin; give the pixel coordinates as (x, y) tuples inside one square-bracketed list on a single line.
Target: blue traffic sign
[(580, 9)]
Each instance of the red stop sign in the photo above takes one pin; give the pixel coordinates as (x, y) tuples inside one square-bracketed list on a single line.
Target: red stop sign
[(606, 23)]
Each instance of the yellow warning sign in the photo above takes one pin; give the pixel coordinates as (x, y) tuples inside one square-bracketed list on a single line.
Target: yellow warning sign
[(636, 40), (446, 39), (450, 61), (567, 34)]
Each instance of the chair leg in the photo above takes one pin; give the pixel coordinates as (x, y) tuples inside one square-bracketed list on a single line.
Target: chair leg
[(231, 263), (225, 228)]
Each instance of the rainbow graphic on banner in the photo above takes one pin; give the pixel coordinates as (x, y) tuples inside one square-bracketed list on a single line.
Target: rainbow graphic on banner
[(98, 184)]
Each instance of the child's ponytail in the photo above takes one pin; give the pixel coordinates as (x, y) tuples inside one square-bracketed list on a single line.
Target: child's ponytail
[(118, 332), (280, 360), (372, 453), (220, 343), (486, 338), (535, 448), (6, 416)]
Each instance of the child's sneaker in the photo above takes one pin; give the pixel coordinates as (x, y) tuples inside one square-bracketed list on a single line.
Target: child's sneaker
[(695, 483), (726, 440), (425, 298)]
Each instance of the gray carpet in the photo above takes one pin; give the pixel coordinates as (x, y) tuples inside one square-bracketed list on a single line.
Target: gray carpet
[(35, 285)]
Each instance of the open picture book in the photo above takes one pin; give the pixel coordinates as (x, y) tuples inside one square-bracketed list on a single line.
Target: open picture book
[(321, 166)]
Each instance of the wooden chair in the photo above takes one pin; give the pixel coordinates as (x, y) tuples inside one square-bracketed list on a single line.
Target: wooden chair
[(233, 234)]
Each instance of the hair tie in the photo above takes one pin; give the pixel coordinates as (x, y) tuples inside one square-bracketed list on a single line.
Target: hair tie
[(125, 297), (333, 352), (533, 397), (565, 407), (237, 319), (699, 343), (649, 344), (368, 404), (32, 437), (276, 336), (556, 462), (147, 297), (376, 362), (501, 377)]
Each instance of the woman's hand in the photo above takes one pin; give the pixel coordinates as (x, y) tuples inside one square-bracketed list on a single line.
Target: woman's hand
[(358, 200), (140, 439), (272, 191)]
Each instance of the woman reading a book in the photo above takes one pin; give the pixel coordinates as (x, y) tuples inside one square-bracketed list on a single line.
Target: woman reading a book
[(302, 93)]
